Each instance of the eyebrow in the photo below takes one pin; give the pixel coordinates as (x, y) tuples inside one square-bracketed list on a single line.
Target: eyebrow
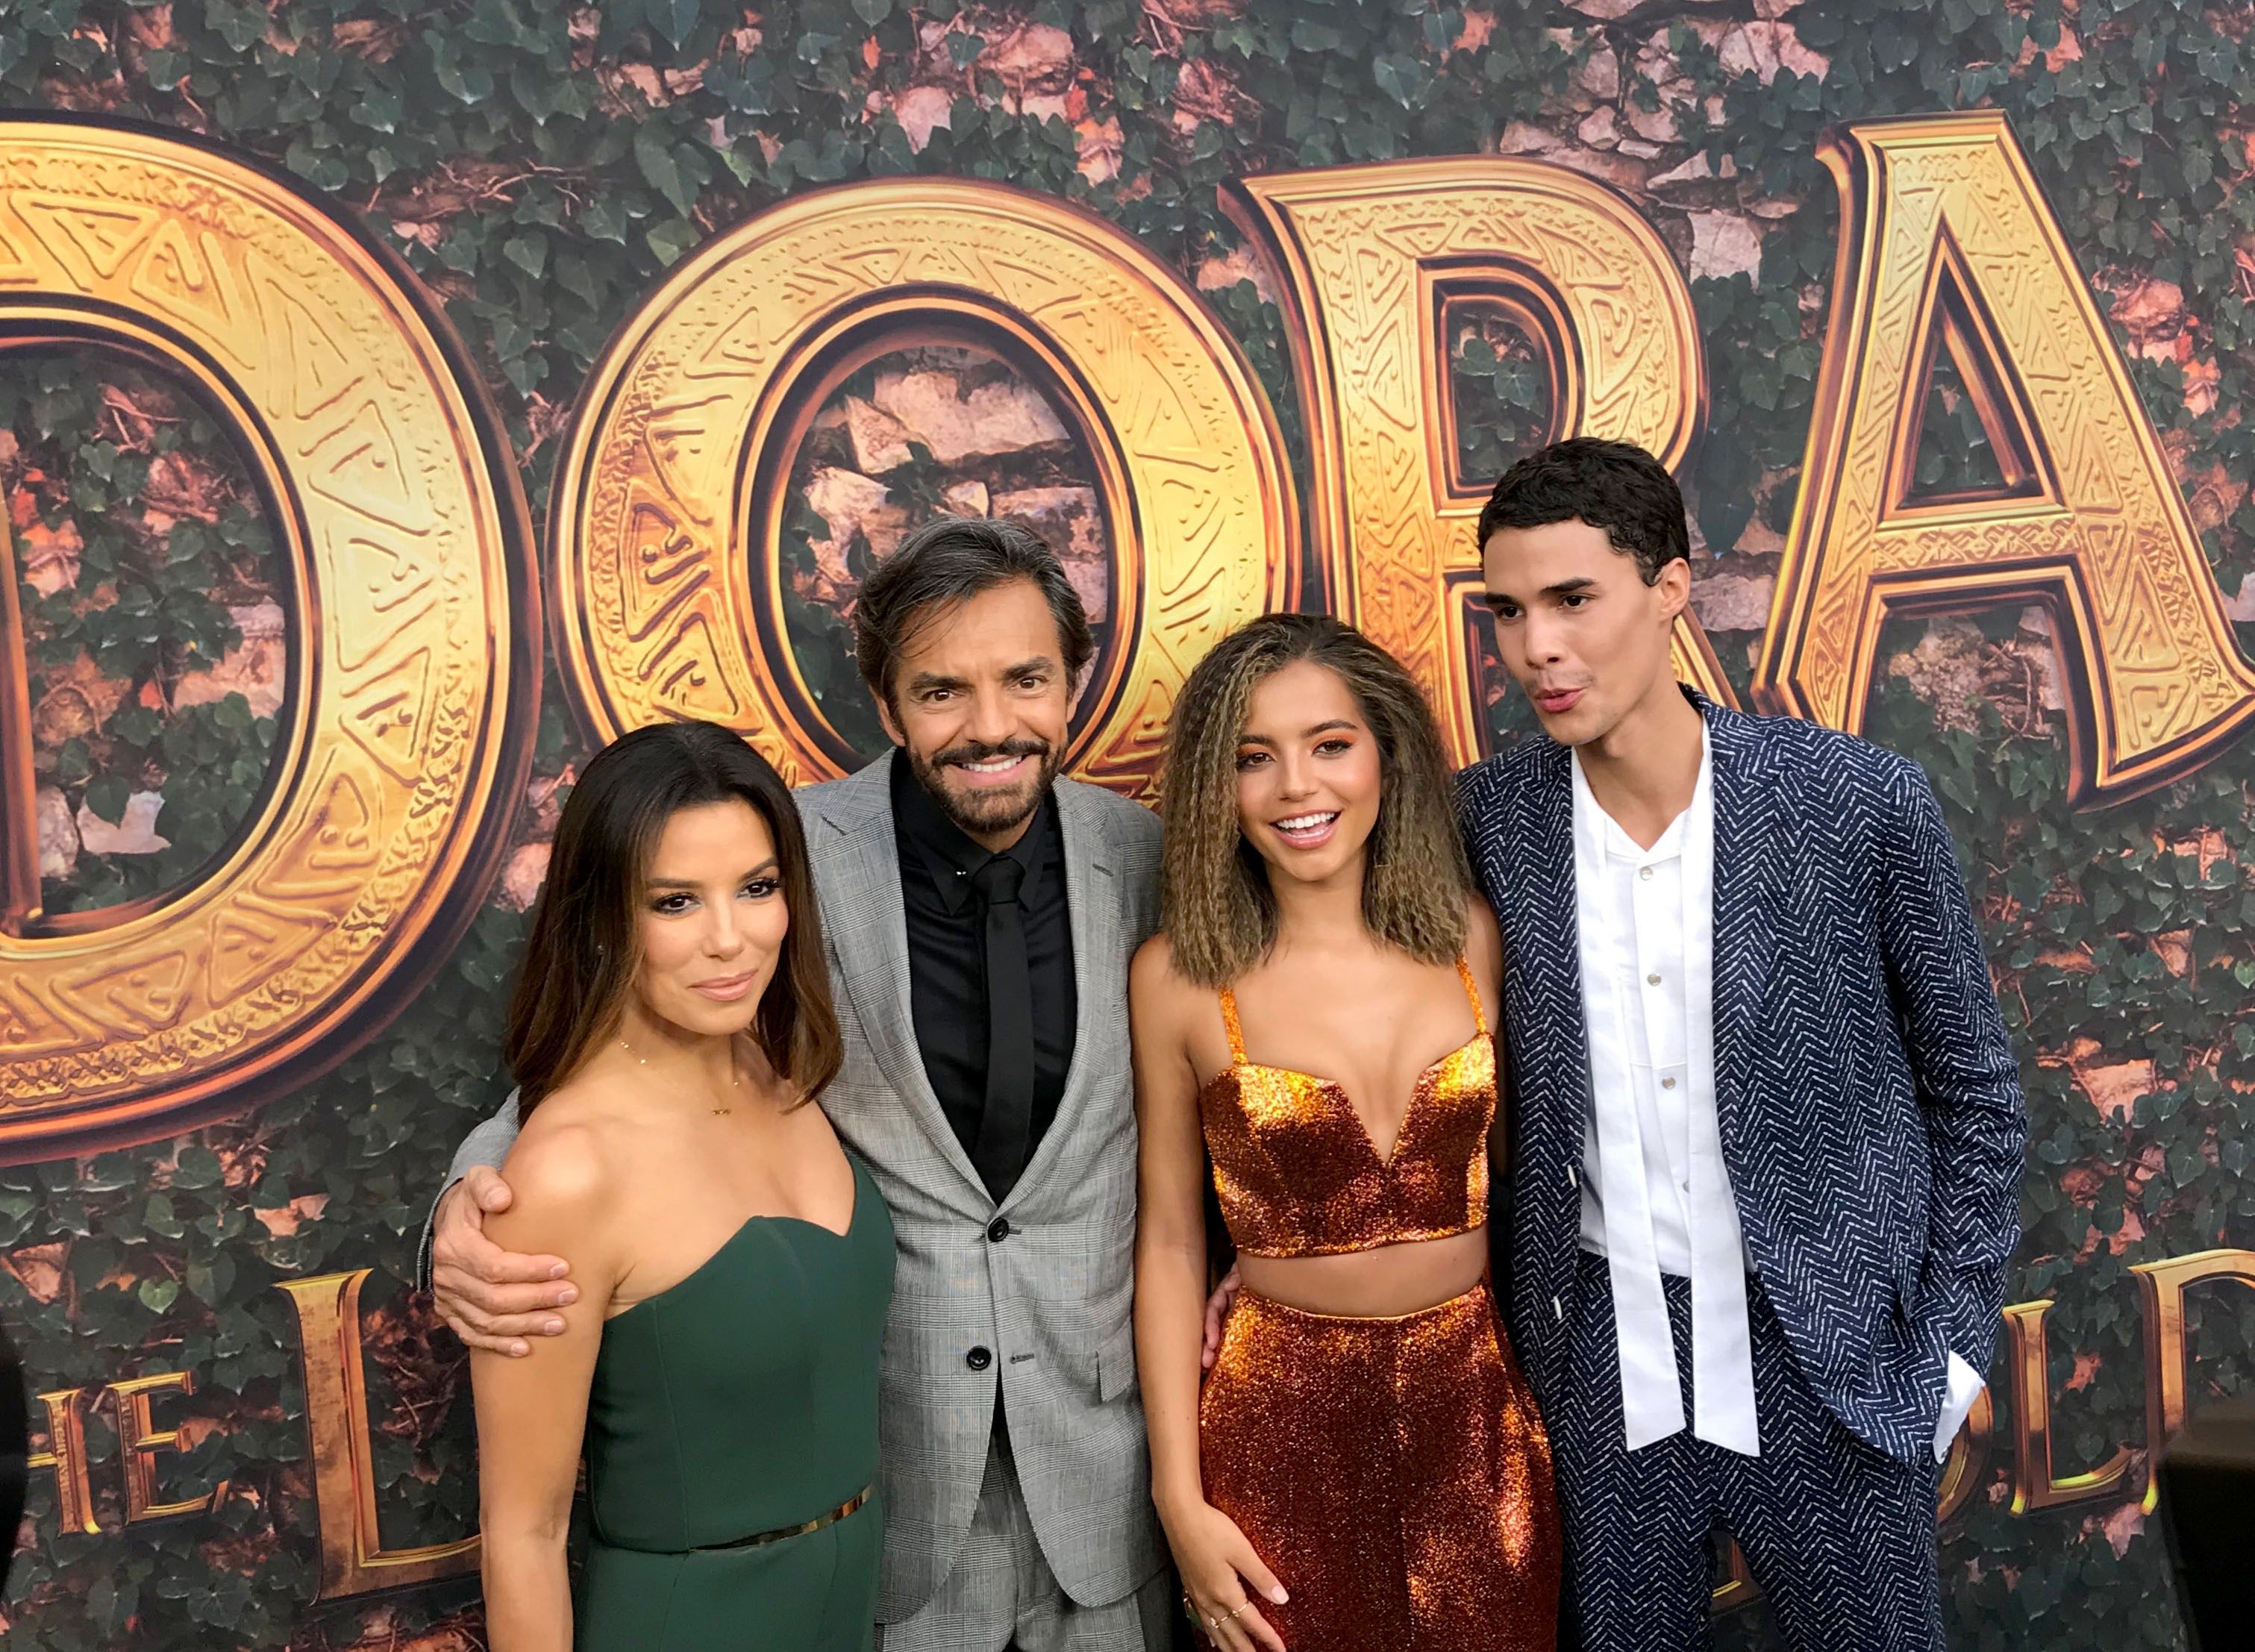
[(924, 681), (768, 865), (1564, 587), (1309, 733)]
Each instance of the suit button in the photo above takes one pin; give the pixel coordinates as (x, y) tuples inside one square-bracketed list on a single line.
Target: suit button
[(979, 1359), (998, 1230)]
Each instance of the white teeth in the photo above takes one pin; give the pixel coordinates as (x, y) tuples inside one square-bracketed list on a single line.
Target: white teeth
[(992, 765), (1305, 822)]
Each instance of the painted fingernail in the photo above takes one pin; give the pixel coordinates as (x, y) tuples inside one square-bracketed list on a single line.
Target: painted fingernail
[(1278, 1595), (552, 1328)]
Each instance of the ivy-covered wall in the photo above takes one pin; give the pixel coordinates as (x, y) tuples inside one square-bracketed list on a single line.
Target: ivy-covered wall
[(540, 166)]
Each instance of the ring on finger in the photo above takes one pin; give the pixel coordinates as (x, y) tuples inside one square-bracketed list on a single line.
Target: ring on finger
[(1247, 1606)]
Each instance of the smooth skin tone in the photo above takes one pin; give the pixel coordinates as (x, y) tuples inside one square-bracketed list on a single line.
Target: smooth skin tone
[(980, 703), (1307, 795), (672, 1133), (1588, 642)]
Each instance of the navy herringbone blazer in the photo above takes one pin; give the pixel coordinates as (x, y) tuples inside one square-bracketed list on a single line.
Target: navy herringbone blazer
[(1872, 1115)]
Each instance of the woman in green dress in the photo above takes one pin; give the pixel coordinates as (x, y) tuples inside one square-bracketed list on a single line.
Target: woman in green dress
[(719, 1365)]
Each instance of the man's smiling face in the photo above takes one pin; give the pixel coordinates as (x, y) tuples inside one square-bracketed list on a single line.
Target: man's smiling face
[(979, 701)]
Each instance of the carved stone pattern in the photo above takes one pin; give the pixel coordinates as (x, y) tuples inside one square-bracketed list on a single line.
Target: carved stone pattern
[(2173, 681), (388, 764), (664, 599)]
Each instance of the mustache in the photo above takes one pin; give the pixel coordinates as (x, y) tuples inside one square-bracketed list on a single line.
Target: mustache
[(978, 751)]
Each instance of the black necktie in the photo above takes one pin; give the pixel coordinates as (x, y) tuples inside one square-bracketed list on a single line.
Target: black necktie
[(1006, 1124)]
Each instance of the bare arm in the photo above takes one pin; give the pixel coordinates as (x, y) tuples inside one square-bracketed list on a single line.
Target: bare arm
[(532, 1414), (1216, 1563)]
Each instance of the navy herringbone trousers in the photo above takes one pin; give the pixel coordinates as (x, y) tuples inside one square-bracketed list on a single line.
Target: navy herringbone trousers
[(1839, 1536)]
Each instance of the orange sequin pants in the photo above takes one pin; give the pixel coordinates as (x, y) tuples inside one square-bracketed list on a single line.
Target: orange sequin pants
[(1393, 1473)]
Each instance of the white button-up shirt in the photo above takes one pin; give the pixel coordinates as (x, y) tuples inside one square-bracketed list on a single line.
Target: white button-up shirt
[(1656, 1197)]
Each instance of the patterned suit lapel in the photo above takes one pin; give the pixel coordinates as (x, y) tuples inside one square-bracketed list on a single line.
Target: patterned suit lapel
[(1746, 850), (1548, 1036), (872, 954)]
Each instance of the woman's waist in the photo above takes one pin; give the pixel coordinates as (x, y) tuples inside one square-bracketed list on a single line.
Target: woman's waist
[(716, 1531), (1386, 1281)]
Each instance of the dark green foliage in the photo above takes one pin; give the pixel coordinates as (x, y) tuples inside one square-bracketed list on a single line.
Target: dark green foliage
[(541, 174)]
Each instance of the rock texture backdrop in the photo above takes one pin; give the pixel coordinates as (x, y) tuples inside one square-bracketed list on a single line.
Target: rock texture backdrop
[(540, 167)]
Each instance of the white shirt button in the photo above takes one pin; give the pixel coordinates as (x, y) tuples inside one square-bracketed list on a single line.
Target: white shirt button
[(1651, 980), (1668, 1084), (1645, 872)]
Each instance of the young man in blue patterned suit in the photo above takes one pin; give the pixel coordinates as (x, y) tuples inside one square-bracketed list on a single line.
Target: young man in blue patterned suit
[(1767, 1126)]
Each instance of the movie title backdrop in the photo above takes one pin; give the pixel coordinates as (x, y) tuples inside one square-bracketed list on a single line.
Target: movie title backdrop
[(397, 401)]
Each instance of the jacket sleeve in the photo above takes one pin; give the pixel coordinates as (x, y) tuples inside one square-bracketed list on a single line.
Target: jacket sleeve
[(487, 1145), (1961, 1060)]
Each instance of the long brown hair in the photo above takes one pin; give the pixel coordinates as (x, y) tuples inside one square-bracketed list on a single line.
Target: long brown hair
[(1217, 908), (581, 957)]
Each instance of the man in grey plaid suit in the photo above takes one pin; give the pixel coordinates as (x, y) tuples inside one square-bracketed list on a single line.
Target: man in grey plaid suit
[(980, 913)]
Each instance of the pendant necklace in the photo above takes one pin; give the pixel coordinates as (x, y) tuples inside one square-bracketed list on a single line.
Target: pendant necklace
[(735, 1082)]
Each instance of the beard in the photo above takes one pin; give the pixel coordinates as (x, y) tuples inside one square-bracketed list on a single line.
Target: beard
[(986, 810)]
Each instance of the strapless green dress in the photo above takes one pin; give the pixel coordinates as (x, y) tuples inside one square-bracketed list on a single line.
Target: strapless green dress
[(742, 1403)]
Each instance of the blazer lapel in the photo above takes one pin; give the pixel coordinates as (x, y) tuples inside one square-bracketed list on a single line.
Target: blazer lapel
[(1546, 930), (1100, 967), (873, 949), (1745, 851)]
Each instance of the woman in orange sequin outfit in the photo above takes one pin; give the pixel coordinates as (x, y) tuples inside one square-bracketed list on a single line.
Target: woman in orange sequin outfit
[(1365, 1467)]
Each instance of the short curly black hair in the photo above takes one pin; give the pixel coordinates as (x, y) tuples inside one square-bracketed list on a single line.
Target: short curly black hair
[(1615, 485)]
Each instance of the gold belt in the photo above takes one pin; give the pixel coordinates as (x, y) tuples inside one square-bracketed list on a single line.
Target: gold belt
[(800, 1530)]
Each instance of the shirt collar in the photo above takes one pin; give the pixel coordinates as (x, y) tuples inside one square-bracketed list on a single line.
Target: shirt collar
[(949, 855)]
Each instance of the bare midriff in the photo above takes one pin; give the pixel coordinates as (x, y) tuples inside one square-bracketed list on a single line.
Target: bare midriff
[(1381, 1283)]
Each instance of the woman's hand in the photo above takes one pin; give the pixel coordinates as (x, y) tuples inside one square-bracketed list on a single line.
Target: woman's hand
[(1222, 1578)]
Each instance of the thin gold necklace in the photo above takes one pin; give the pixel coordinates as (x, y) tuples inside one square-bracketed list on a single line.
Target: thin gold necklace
[(735, 1082)]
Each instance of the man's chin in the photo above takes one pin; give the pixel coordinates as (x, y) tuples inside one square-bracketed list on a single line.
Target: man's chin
[(991, 808)]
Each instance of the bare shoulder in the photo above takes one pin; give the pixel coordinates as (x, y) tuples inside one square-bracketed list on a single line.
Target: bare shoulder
[(1484, 946), (1483, 937), (568, 1160), (1157, 993), (1152, 969)]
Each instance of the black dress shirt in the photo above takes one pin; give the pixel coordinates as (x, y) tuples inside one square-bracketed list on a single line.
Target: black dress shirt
[(947, 973)]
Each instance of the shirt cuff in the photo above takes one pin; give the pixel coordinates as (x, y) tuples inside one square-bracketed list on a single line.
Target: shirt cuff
[(1964, 1388)]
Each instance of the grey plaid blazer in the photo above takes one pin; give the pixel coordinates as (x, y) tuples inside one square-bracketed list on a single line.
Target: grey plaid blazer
[(1051, 1303)]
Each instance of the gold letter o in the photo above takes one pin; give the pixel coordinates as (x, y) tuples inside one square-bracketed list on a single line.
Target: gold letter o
[(407, 726), (668, 600)]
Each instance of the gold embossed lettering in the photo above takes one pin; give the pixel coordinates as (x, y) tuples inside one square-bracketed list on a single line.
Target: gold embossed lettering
[(1366, 259), (672, 495), (1947, 245), (140, 1440), (408, 724), (354, 1559)]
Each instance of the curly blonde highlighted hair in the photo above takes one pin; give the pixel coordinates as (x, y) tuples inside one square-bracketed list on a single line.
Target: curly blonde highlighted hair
[(1217, 909)]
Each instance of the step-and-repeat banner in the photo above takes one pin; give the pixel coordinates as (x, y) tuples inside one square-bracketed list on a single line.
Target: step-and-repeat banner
[(396, 403)]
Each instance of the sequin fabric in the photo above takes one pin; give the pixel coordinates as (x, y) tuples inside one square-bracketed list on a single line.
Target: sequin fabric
[(1296, 1172), (1393, 1473)]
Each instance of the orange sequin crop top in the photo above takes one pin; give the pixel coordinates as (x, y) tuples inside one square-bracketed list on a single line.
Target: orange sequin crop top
[(1298, 1175)]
